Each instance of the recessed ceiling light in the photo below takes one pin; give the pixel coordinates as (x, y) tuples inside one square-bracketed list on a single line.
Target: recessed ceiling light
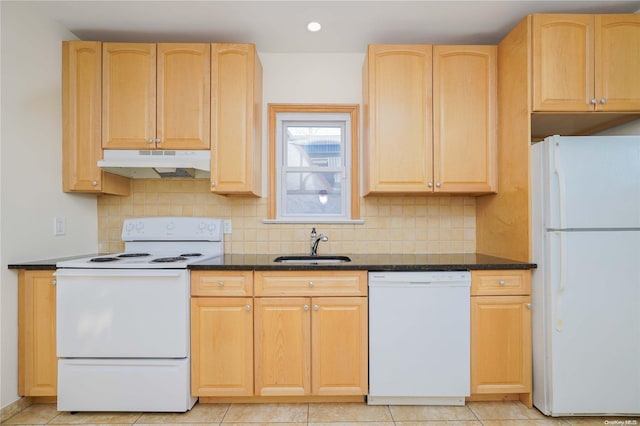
[(314, 26)]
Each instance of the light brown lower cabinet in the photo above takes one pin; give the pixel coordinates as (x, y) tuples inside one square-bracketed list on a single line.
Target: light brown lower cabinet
[(221, 333), (311, 346), (37, 362), (303, 334), (222, 346), (501, 335)]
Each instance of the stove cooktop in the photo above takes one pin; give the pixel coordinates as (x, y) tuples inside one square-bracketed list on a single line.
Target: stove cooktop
[(160, 243), (128, 260)]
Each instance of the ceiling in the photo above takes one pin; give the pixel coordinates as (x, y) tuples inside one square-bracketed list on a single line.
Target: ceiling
[(280, 26)]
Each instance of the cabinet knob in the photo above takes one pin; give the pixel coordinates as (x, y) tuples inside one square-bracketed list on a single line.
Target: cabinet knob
[(603, 101), (213, 184), (502, 282), (528, 305), (220, 284), (94, 182), (594, 101), (305, 307), (430, 184), (310, 283), (316, 307), (438, 185), (158, 140), (150, 140), (247, 308), (54, 282)]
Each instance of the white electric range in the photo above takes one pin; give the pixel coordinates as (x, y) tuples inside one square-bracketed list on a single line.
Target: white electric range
[(123, 319)]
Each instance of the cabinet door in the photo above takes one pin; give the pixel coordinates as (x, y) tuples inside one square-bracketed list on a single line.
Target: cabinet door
[(617, 62), (37, 362), (184, 96), (500, 344), (128, 95), (282, 346), (464, 116), (236, 124), (221, 346), (397, 100), (563, 63), (81, 137), (339, 346)]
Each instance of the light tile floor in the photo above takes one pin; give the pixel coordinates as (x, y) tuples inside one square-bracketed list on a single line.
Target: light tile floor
[(346, 414)]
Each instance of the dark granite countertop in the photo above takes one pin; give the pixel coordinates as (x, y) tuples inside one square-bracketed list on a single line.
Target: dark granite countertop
[(47, 263), (368, 262)]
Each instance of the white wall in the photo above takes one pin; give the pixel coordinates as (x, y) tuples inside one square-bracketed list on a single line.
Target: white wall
[(31, 167), (630, 128), (306, 78)]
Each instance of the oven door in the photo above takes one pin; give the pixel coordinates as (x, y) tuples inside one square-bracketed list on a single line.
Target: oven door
[(122, 313)]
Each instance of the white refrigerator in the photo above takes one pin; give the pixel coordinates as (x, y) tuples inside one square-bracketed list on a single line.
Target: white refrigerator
[(586, 289)]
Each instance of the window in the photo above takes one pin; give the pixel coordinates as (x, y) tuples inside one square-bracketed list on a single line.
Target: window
[(313, 158)]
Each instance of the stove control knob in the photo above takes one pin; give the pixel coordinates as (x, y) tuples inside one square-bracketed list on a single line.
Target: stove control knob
[(139, 226), (130, 227), (170, 227)]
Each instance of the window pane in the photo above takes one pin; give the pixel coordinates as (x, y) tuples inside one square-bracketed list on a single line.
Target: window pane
[(313, 193), (313, 146)]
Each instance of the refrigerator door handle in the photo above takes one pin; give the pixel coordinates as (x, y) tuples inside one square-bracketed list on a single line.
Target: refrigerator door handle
[(561, 185)]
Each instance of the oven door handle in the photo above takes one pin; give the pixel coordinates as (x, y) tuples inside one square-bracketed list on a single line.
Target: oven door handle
[(168, 273)]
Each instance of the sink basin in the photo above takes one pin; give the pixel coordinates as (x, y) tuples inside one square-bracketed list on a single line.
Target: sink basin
[(312, 259)]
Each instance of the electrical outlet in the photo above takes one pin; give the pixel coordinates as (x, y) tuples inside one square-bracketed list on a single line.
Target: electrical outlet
[(227, 226), (59, 226)]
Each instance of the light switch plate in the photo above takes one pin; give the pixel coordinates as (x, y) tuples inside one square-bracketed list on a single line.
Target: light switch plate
[(59, 225), (227, 226)]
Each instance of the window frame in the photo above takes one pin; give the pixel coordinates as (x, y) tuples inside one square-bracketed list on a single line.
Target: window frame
[(354, 181)]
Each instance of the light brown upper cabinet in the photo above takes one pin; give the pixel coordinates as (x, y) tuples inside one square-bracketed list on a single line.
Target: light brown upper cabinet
[(156, 96), (429, 119), (236, 119), (586, 63), (81, 139), (464, 119)]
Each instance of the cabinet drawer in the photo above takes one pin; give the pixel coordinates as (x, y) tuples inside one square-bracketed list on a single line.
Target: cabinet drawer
[(311, 283), (222, 283), (503, 282)]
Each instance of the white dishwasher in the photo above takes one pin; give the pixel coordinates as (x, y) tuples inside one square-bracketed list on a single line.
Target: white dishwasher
[(419, 338)]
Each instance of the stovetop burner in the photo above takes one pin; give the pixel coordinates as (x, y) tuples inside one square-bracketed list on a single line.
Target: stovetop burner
[(169, 259), (134, 255), (103, 259), (190, 254)]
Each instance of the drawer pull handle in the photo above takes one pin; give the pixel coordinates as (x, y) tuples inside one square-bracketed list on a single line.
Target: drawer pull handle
[(310, 283), (220, 284), (502, 282)]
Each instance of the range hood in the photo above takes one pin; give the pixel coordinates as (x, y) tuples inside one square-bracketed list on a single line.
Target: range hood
[(157, 163)]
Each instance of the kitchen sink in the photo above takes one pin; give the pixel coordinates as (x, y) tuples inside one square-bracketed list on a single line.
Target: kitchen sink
[(312, 259)]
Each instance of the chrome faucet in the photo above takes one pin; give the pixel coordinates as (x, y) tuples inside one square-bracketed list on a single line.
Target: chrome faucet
[(315, 240)]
